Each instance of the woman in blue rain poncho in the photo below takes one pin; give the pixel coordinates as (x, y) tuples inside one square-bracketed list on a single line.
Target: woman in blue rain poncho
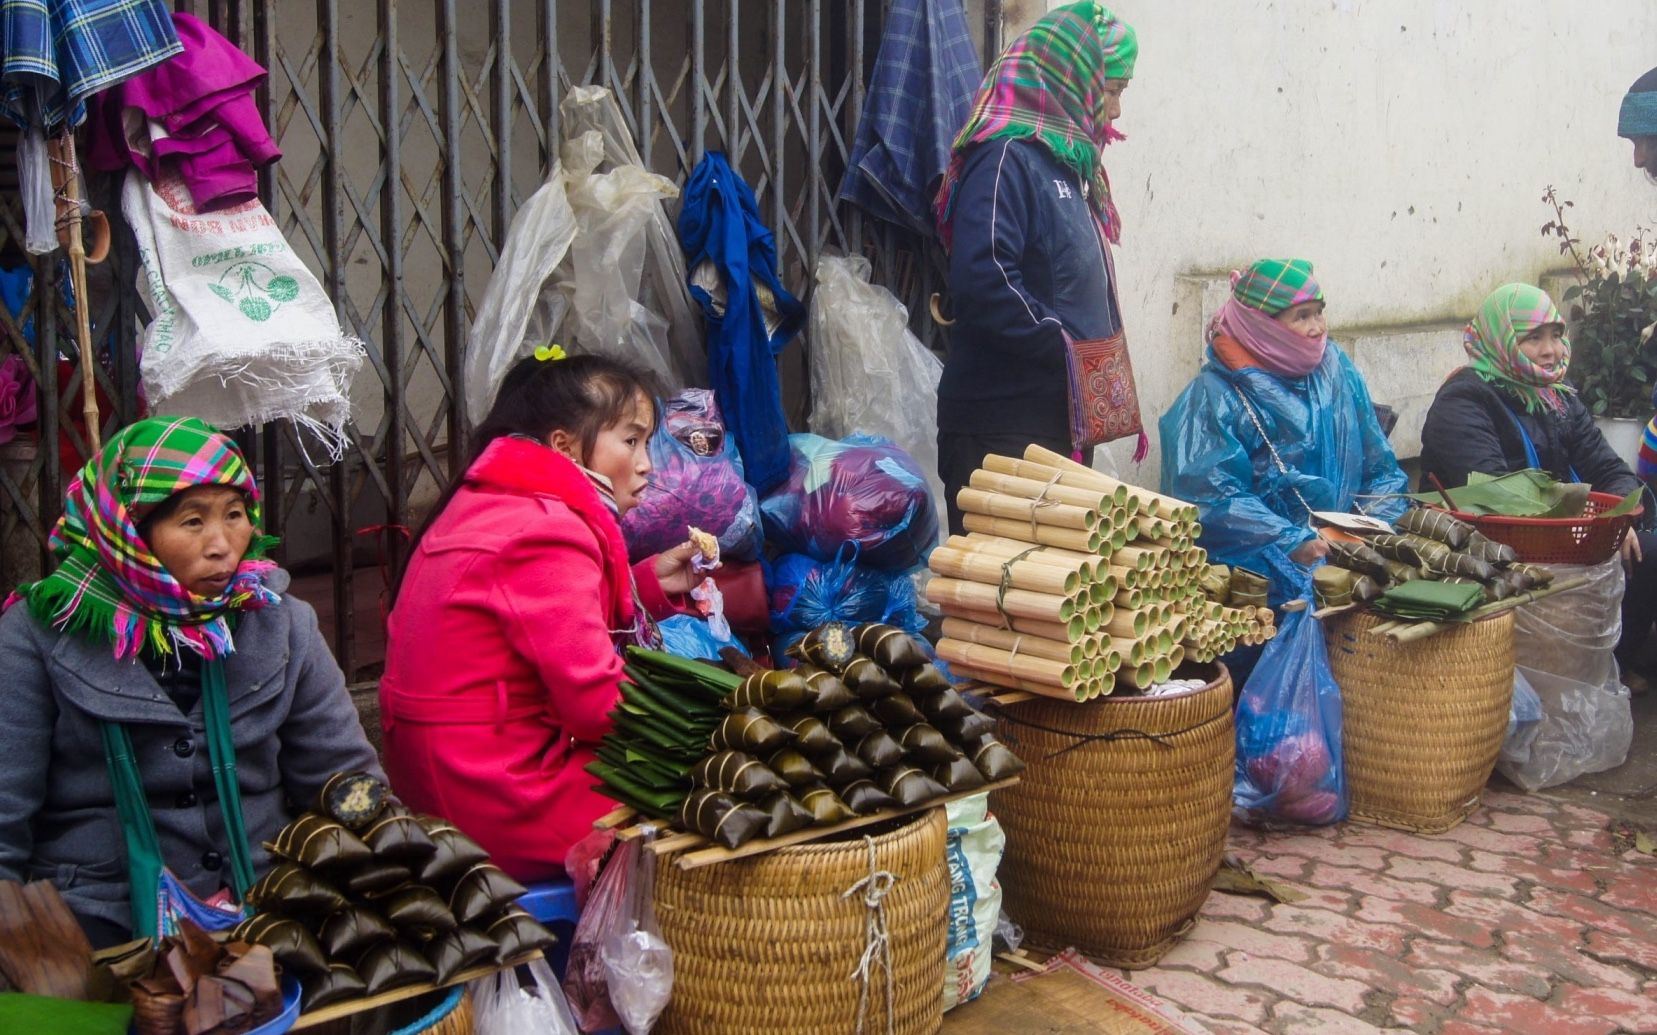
[(1276, 425)]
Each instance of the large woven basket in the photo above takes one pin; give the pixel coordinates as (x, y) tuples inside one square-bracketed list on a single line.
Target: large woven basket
[(1422, 721), (1117, 827), (770, 944)]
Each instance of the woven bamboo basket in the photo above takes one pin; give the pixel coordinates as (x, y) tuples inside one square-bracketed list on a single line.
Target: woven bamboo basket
[(1117, 827), (770, 943), (1422, 722)]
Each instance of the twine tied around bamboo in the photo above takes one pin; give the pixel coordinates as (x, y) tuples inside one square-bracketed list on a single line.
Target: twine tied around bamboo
[(1081, 739), (877, 941), (1042, 501), (1006, 584)]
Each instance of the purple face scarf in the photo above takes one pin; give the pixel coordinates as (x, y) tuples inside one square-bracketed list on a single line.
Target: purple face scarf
[(1276, 348)]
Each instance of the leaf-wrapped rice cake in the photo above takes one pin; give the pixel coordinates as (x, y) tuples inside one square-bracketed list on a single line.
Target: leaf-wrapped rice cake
[(1464, 565), (879, 750), (458, 950), (863, 797), (840, 766), (1365, 589), (1399, 573), (810, 735), (737, 774), (750, 730), (1490, 551), (831, 646), (483, 890), (1357, 557), (721, 818), (375, 876), (924, 744), (992, 758), (399, 838), (924, 679), (784, 814), (830, 693), (1435, 524), (416, 910), (292, 889), (774, 690), (1402, 549), (867, 680), (826, 807), (336, 984), (353, 929), (942, 704), (1539, 575), (956, 775), (1468, 580), (890, 647), (393, 965), (455, 852), (967, 727), (353, 799), (909, 785), (852, 722), (896, 710), (792, 769), (320, 843), (517, 934), (290, 941)]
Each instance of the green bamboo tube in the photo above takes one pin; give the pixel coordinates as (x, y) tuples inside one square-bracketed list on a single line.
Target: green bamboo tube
[(1043, 607), (1131, 529), (1117, 540), (1057, 515), (1014, 642), (1176, 658), (1094, 618), (980, 544), (1133, 599), (1127, 624), (1044, 535), (1161, 670), (1107, 685), (1102, 592), (1038, 578), (1044, 490), (1142, 558), (1112, 660), (1130, 649), (1072, 629), (1025, 468), (1000, 662)]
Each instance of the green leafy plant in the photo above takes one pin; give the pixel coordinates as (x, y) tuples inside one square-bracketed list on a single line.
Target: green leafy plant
[(1612, 313)]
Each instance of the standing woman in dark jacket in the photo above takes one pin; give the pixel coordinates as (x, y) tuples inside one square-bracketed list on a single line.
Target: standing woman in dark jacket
[(1026, 215), (1510, 409)]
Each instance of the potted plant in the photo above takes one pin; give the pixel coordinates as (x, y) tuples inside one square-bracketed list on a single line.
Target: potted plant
[(1612, 313)]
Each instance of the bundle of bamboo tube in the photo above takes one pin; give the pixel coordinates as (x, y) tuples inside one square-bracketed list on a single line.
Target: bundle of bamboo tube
[(1070, 583)]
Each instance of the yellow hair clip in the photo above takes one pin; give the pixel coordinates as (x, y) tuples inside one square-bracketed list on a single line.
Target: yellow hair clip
[(550, 352)]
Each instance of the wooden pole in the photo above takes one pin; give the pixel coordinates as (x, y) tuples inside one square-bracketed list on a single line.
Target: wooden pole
[(77, 273)]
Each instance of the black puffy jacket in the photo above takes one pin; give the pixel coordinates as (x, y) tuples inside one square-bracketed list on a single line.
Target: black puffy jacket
[(1473, 425)]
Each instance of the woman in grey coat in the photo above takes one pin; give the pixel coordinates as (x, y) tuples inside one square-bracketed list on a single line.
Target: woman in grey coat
[(166, 706)]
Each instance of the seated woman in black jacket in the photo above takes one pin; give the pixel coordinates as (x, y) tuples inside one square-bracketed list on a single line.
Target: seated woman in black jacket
[(1509, 409)]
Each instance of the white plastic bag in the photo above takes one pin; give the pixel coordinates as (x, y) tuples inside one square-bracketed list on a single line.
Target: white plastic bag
[(638, 965), (973, 849), (868, 373), (501, 1005), (34, 182), (520, 310), (1563, 647), (662, 292)]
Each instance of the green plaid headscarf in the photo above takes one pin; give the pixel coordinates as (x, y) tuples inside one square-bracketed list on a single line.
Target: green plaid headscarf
[(1273, 285), (108, 583), (1492, 343), (1049, 86)]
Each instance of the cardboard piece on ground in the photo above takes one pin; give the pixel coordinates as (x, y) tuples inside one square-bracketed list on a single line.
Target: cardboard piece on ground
[(1070, 996)]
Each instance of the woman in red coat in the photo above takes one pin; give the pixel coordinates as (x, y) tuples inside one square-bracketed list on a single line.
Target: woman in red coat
[(502, 658)]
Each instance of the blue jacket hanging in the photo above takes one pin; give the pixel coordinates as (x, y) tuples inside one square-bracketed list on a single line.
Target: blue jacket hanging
[(732, 259)]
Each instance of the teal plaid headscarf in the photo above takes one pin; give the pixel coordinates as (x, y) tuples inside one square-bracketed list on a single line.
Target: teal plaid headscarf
[(1638, 117), (1492, 343)]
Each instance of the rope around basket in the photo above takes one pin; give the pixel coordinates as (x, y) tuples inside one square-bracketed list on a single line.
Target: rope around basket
[(877, 948), (1082, 739)]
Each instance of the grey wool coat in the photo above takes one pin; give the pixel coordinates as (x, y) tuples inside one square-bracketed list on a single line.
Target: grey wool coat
[(292, 721)]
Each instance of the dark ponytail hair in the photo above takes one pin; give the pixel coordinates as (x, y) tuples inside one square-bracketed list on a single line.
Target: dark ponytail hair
[(579, 395)]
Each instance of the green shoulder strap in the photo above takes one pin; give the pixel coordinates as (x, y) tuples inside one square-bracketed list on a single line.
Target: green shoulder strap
[(221, 751)]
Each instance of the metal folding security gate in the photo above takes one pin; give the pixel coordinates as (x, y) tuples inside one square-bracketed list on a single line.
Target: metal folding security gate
[(411, 131)]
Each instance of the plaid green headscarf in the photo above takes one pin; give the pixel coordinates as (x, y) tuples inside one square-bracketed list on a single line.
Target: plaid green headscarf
[(1273, 285), (108, 584), (1492, 343), (1049, 86)]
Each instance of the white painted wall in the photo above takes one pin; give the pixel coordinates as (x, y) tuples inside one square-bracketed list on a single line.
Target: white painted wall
[(1401, 145)]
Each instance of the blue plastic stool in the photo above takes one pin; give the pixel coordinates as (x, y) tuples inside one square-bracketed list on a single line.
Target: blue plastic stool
[(553, 903)]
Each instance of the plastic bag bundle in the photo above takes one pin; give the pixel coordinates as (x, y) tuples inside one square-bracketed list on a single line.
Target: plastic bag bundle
[(973, 849), (1524, 716), (869, 374), (807, 593), (1289, 765), (638, 965), (1563, 646), (691, 637), (696, 480), (502, 1005), (862, 490)]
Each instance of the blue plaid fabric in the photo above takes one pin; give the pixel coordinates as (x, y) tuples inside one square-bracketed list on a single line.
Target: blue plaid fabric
[(55, 52), (919, 97)]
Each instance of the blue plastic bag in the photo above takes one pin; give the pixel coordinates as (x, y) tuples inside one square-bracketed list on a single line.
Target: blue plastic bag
[(690, 637), (1289, 764), (806, 592), (863, 490)]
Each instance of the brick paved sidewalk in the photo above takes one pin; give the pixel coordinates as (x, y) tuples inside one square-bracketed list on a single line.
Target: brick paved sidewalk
[(1521, 921)]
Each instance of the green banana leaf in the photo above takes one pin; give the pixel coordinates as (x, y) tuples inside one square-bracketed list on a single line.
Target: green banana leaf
[(1626, 505), (1527, 493), (645, 775), (673, 666), (655, 700), (674, 745), (618, 785)]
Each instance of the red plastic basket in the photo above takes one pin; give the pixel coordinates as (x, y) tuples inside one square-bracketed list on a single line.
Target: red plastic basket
[(1588, 539)]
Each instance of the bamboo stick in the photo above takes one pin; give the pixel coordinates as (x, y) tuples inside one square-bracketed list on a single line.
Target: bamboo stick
[(1072, 630), (1089, 564), (1133, 599), (1156, 503), (1127, 624), (1033, 489), (1133, 650), (1058, 515), (1014, 642), (996, 679), (1038, 578), (1043, 607), (1046, 535), (1020, 666), (1044, 472), (1413, 631), (1144, 558)]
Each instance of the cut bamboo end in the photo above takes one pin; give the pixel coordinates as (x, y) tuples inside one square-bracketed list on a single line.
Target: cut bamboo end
[(1112, 660), (1014, 642), (1093, 619), (1128, 624), (1176, 658)]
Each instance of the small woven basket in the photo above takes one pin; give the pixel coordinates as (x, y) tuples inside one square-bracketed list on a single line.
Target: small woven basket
[(1422, 721), (771, 943), (1116, 829)]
